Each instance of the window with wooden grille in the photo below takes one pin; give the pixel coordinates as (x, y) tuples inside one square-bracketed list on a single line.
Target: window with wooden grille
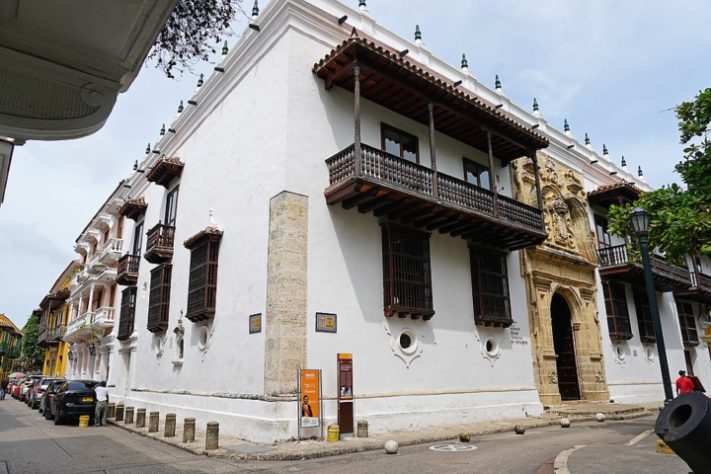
[(618, 318), (202, 285), (159, 298), (399, 143), (687, 323), (644, 315), (406, 272), (490, 289), (128, 313)]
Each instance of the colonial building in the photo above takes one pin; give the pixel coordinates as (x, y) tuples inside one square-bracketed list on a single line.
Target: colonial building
[(53, 323), (92, 293), (333, 189), (10, 346)]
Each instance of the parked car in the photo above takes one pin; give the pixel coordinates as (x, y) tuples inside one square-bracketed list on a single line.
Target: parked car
[(38, 389), (16, 387), (27, 386), (47, 396), (73, 398), (15, 377)]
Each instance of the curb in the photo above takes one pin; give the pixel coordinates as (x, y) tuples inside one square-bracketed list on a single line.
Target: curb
[(333, 449)]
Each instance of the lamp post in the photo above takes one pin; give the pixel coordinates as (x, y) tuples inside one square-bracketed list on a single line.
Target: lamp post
[(640, 223)]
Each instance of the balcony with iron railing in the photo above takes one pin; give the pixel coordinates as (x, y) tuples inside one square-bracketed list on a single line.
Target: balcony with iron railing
[(159, 244), (391, 186), (127, 269), (616, 262)]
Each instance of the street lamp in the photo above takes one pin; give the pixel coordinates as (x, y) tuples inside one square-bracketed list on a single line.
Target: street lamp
[(640, 223)]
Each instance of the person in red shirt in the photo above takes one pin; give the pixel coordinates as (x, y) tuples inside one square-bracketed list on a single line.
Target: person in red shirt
[(684, 384)]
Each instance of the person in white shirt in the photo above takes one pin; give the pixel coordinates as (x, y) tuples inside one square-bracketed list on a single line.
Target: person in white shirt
[(102, 404)]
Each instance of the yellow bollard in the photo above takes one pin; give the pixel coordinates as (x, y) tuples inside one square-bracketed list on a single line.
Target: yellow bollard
[(84, 421), (334, 433)]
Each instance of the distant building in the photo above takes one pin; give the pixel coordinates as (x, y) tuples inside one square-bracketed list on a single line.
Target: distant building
[(53, 323), (335, 189), (10, 347)]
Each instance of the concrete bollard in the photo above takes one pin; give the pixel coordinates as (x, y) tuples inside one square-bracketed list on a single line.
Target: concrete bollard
[(141, 418), (189, 430), (128, 415), (153, 420), (362, 429), (212, 435), (111, 411), (119, 412), (169, 431)]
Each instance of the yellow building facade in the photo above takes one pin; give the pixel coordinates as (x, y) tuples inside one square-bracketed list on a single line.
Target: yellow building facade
[(53, 323), (10, 340)]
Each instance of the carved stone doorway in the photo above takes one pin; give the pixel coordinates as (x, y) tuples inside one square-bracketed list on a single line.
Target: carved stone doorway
[(564, 347)]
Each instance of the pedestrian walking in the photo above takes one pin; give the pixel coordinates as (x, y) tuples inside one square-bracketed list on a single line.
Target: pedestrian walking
[(3, 388), (684, 384), (102, 404)]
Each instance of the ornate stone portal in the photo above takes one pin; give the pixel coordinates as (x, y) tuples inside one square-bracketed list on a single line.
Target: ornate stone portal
[(563, 265)]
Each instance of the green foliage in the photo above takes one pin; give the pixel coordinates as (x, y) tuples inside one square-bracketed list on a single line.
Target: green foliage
[(192, 32), (32, 353), (680, 219)]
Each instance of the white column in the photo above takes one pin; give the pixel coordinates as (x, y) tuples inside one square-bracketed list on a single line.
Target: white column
[(91, 297), (81, 303)]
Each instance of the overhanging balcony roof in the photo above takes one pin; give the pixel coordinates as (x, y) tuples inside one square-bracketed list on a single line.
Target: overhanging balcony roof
[(393, 81), (616, 193), (617, 264)]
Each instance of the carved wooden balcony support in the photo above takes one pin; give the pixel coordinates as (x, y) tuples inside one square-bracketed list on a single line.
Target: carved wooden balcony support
[(134, 208), (165, 171)]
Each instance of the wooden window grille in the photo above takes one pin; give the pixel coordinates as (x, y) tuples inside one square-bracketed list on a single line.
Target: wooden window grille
[(490, 289), (644, 315), (618, 318), (159, 298), (687, 323), (406, 273), (202, 284), (128, 313)]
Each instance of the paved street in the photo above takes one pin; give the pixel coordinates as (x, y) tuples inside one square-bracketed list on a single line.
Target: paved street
[(30, 444)]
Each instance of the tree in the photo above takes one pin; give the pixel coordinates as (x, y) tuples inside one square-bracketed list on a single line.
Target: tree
[(680, 218), (192, 32), (32, 353)]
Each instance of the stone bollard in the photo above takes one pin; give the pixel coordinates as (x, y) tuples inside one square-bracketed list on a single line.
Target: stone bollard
[(128, 416), (153, 420), (169, 431), (188, 430), (119, 412), (362, 429), (212, 435), (111, 411), (141, 418)]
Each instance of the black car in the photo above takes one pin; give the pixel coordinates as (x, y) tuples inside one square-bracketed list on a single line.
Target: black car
[(73, 398), (48, 394)]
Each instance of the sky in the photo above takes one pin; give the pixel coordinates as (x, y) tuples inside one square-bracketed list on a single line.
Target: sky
[(614, 69)]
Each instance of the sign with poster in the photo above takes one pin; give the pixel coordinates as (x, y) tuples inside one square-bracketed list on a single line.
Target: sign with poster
[(326, 322), (345, 393), (309, 398)]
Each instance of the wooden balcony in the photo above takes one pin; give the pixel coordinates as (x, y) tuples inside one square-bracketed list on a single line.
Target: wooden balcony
[(165, 171), (127, 269), (134, 208), (395, 188), (159, 244), (128, 313), (700, 289), (617, 264)]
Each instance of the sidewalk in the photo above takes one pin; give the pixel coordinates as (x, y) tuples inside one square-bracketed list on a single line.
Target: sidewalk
[(618, 459), (233, 448)]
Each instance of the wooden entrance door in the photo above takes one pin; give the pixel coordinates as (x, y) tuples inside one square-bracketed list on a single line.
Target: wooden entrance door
[(564, 346)]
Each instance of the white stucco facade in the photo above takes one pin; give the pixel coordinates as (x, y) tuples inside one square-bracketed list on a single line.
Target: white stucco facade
[(265, 126)]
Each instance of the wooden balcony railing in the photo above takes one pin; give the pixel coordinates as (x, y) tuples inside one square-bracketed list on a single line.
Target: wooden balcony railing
[(616, 262), (159, 243), (438, 194), (127, 269)]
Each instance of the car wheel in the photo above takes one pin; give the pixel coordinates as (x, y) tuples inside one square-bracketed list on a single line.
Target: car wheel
[(58, 418), (47, 414)]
